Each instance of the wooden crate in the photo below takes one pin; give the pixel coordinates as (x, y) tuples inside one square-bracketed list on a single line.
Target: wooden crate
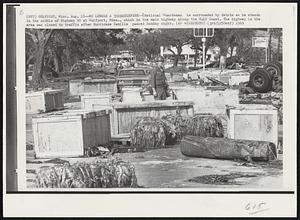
[(95, 100), (100, 86), (132, 95), (76, 87), (44, 101), (68, 133), (207, 100), (253, 122), (124, 115)]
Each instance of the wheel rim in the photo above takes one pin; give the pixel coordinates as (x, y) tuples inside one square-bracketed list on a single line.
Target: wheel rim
[(258, 80), (272, 70)]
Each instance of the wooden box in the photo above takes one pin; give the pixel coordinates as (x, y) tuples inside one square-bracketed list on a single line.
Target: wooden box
[(100, 86), (68, 133), (44, 101), (132, 95), (125, 115), (253, 122), (95, 100), (75, 87)]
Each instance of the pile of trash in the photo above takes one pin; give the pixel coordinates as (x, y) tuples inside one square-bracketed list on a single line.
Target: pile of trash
[(225, 148), (150, 133), (109, 174), (198, 125)]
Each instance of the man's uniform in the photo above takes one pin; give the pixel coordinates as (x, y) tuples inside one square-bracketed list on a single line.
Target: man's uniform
[(158, 81)]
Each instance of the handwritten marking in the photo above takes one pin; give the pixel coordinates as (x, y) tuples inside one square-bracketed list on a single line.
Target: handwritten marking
[(254, 208)]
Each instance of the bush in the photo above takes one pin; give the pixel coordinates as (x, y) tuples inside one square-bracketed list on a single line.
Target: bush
[(177, 69)]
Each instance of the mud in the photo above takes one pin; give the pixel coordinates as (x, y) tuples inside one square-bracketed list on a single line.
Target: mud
[(226, 179)]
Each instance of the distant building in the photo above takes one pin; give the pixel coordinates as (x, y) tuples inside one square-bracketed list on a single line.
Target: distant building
[(124, 55), (188, 54)]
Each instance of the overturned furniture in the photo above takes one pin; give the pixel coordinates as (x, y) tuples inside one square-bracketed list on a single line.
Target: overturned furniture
[(44, 101), (69, 133), (223, 148), (125, 115)]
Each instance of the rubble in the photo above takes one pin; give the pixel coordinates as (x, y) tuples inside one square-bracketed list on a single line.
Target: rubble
[(198, 125), (224, 148), (149, 133), (108, 174)]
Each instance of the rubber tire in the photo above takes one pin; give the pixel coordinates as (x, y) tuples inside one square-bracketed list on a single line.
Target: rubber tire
[(277, 66), (267, 80)]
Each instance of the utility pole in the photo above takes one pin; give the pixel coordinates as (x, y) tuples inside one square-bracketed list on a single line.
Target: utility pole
[(203, 52)]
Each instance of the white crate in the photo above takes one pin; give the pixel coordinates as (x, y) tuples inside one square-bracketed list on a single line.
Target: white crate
[(254, 122), (44, 101), (75, 87), (90, 100), (68, 133), (100, 85), (132, 95)]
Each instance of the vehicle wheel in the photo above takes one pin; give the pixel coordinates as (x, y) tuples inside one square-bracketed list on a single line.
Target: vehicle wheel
[(275, 69), (260, 80)]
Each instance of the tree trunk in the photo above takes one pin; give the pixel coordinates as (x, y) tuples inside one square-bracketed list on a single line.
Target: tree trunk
[(177, 56), (223, 54), (195, 57), (38, 67), (58, 62), (40, 38), (231, 51), (176, 60)]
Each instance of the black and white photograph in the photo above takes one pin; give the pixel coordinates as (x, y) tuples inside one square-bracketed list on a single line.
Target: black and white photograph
[(150, 109), (154, 108)]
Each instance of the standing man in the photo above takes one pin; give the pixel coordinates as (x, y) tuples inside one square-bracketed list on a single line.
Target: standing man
[(158, 80)]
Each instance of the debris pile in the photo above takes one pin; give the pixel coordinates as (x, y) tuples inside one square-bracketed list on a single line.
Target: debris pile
[(198, 125), (150, 133), (109, 174), (225, 179), (99, 151), (224, 148), (183, 124)]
